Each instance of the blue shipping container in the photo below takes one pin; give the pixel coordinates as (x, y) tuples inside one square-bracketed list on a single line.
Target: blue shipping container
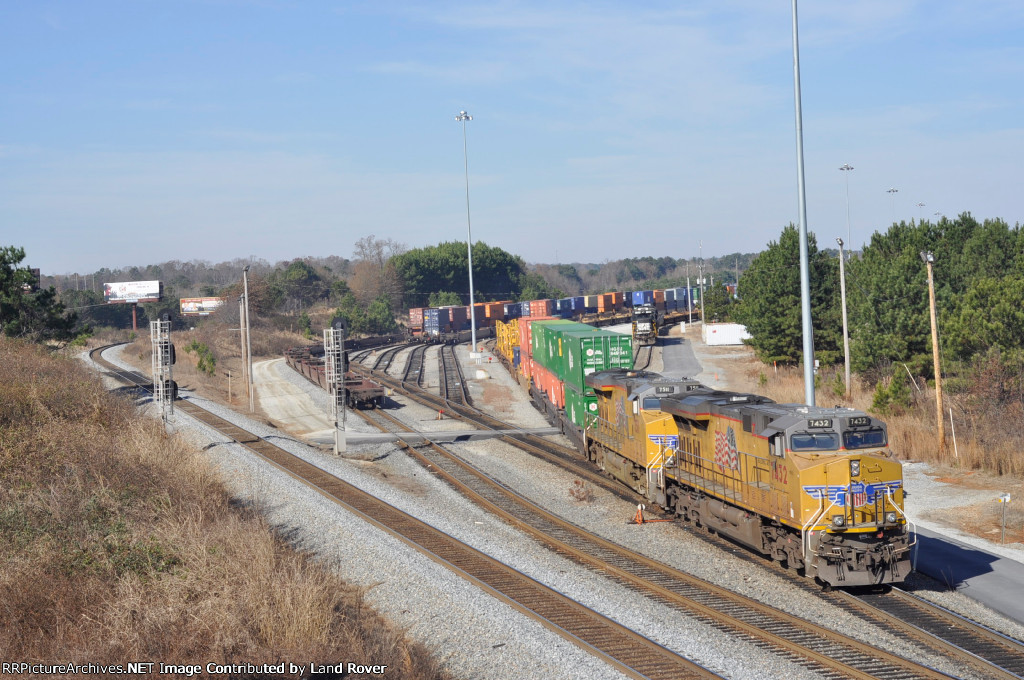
[(577, 304), (525, 307), (643, 297), (513, 310)]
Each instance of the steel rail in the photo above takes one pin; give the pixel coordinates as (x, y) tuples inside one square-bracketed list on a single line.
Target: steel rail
[(624, 649), (724, 609)]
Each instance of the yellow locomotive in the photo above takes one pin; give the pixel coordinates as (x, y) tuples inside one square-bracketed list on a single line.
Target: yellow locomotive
[(814, 488)]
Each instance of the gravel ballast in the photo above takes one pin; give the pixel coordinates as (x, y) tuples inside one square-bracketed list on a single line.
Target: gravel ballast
[(475, 634)]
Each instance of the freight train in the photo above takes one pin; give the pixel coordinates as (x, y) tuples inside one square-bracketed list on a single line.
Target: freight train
[(816, 489), (439, 324)]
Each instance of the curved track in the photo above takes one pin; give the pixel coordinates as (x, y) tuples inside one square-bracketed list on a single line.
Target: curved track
[(622, 648)]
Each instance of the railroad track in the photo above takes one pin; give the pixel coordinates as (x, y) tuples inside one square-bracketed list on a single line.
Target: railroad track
[(383, 362), (414, 366), (990, 653), (624, 649), (789, 636), (453, 385)]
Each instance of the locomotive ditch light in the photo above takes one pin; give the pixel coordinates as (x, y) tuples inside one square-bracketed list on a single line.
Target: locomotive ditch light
[(890, 518), (839, 520), (855, 468)]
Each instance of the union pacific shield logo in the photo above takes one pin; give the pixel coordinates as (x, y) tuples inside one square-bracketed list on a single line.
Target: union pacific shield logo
[(861, 494)]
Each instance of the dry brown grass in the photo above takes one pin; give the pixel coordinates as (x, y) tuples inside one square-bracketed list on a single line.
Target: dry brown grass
[(118, 544), (984, 452), (226, 347)]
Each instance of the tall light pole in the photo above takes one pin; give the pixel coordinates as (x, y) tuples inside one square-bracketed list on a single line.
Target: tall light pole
[(462, 118), (929, 259), (805, 274), (248, 338), (846, 332), (846, 167), (892, 191)]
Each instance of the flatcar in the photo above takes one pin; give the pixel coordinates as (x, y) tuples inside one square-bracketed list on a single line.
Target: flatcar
[(817, 489)]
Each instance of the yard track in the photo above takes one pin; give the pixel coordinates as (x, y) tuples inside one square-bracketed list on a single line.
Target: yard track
[(629, 652)]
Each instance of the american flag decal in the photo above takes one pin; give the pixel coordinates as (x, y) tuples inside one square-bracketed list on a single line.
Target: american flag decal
[(859, 495), (726, 455)]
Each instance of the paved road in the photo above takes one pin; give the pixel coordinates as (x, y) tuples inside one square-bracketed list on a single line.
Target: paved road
[(995, 581)]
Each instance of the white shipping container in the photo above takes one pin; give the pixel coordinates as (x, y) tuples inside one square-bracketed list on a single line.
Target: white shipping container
[(724, 333)]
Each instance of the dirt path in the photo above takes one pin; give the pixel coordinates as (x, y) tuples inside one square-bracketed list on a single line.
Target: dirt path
[(286, 404)]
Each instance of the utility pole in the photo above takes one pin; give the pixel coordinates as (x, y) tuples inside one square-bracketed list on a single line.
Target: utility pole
[(846, 331), (929, 260), (241, 339), (700, 279), (248, 339)]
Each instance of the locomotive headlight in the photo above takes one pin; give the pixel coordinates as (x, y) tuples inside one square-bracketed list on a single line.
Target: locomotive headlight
[(838, 520), (855, 468), (890, 518)]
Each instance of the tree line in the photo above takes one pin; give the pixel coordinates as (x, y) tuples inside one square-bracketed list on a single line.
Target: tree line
[(979, 289)]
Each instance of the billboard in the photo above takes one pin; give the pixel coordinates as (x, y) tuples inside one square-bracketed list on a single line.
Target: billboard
[(133, 291), (200, 306)]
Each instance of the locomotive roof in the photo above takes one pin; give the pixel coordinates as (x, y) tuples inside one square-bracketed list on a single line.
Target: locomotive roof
[(639, 382), (761, 414)]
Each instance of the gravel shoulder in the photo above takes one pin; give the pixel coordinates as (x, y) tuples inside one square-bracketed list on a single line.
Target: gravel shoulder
[(478, 635)]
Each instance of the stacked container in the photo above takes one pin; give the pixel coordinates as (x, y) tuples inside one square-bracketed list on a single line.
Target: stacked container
[(570, 351), (435, 321), (659, 299), (643, 297), (458, 317), (416, 320), (542, 307), (513, 310)]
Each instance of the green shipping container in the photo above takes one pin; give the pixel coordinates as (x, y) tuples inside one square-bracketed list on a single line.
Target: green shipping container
[(581, 408), (581, 354), (545, 340)]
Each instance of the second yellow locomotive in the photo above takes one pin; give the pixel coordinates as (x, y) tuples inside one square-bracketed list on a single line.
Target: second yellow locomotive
[(815, 488)]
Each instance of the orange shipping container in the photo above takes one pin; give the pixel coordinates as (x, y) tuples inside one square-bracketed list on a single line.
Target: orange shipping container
[(526, 334), (548, 383), (541, 307)]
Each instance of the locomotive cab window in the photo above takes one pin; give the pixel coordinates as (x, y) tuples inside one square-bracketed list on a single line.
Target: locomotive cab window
[(814, 441), (864, 439)]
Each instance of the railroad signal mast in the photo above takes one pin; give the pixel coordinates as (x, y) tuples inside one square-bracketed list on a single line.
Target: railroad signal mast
[(165, 390), (334, 364)]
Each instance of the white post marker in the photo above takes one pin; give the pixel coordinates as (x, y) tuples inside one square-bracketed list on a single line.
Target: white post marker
[(1005, 500)]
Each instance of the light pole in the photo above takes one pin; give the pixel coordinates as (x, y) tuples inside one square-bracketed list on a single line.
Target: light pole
[(248, 338), (846, 167), (892, 191), (805, 272), (929, 259), (846, 332), (462, 118)]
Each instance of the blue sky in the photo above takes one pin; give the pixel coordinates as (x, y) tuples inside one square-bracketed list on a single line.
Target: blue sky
[(142, 131)]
